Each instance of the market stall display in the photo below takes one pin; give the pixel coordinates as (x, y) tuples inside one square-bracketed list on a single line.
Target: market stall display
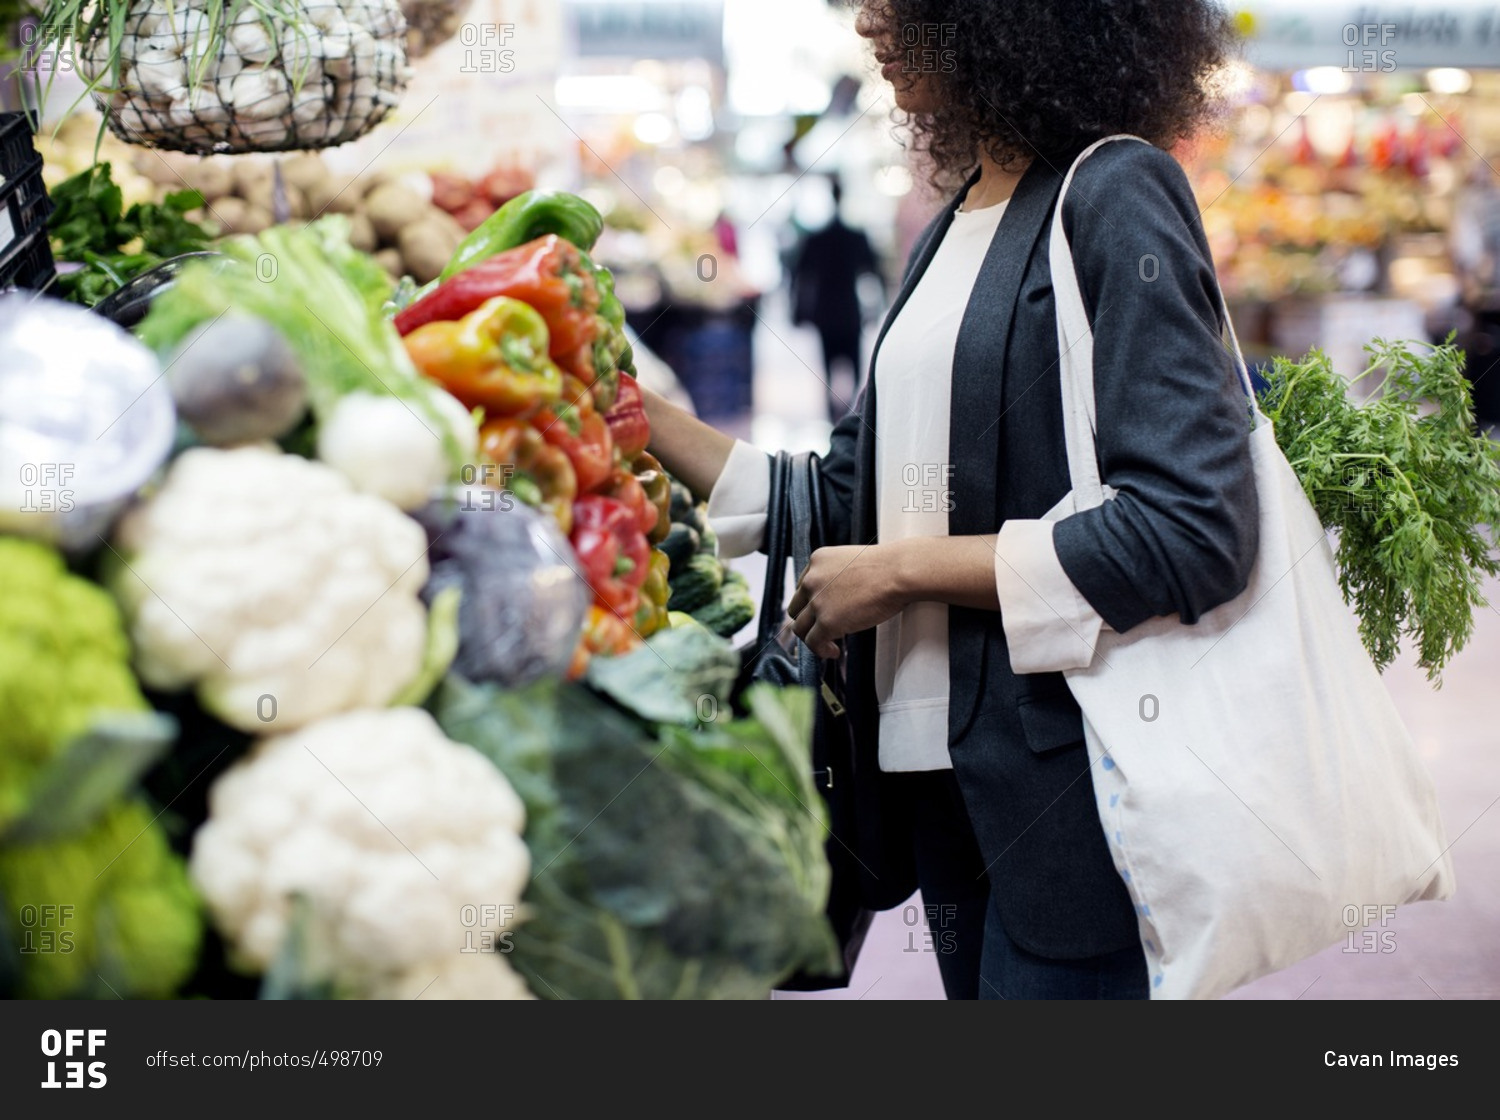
[(426, 567)]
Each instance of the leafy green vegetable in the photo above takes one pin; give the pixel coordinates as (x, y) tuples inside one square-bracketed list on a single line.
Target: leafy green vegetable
[(1412, 488), (327, 300), (90, 226), (668, 863), (669, 678)]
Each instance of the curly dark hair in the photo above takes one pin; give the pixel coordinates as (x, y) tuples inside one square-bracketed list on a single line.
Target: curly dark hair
[(1020, 78)]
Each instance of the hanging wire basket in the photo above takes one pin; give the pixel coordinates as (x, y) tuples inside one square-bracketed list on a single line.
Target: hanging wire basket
[(234, 76), (431, 23)]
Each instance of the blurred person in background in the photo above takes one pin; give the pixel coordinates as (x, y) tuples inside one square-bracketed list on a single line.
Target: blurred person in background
[(825, 295), (1475, 245), (961, 588)]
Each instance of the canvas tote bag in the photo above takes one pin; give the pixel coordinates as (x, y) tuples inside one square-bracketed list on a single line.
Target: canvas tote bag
[(1254, 780)]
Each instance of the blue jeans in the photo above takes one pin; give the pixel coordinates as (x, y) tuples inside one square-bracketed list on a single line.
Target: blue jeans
[(975, 955)]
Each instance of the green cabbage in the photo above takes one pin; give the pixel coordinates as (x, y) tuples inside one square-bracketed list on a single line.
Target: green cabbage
[(671, 861)]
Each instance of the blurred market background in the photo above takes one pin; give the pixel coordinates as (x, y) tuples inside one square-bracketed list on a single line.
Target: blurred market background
[(1352, 193)]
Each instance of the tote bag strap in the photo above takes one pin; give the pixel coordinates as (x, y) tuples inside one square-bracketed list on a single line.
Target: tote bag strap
[(1075, 340)]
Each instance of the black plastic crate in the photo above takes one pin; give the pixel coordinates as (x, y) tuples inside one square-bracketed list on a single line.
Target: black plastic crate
[(25, 193), (28, 263), (16, 148)]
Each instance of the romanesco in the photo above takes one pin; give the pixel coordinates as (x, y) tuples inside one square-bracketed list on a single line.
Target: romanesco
[(107, 911), (63, 660)]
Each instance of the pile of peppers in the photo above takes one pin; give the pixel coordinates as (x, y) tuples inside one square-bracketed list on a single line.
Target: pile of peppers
[(525, 327)]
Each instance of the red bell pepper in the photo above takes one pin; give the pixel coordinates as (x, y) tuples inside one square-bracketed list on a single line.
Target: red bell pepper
[(627, 419), (549, 273), (581, 432), (523, 457), (612, 551), (623, 486)]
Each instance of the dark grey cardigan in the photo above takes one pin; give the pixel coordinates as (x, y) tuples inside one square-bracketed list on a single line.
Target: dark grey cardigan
[(1179, 537)]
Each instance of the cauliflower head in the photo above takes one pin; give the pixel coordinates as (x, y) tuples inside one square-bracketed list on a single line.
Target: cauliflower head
[(104, 912), (407, 844), (63, 660), (268, 582)]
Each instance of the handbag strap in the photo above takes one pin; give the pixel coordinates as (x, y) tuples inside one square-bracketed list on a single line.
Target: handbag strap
[(804, 509), (794, 530), (773, 598), (1075, 340)]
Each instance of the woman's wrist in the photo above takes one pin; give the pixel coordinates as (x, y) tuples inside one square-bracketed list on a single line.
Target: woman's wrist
[(910, 581), (691, 451), (956, 570)]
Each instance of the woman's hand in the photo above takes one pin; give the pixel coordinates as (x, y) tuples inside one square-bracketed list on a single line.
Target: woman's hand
[(845, 590), (852, 588)]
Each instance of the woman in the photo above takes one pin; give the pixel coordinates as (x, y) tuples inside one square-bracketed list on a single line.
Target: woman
[(956, 600)]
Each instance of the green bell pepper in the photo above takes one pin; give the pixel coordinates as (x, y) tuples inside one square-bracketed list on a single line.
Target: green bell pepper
[(525, 218)]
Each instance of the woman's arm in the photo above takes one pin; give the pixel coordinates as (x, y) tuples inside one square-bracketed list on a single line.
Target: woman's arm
[(855, 587), (692, 451)]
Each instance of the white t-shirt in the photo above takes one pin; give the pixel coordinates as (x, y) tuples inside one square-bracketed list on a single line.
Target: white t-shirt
[(1048, 624), (914, 484)]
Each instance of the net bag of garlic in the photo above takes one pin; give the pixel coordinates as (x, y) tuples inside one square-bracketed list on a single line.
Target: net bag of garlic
[(242, 75), (431, 23)]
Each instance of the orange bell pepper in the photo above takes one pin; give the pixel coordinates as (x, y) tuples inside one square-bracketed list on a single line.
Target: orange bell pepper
[(494, 358)]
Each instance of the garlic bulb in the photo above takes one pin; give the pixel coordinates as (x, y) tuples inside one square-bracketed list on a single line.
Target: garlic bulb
[(277, 77)]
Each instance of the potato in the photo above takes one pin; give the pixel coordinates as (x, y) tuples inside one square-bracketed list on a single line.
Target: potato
[(391, 208), (259, 195), (426, 247), (450, 224), (296, 201), (330, 196), (209, 177), (365, 185), (227, 214), (303, 171), (390, 260), (80, 128), (252, 178), (362, 234), (255, 220), (161, 168)]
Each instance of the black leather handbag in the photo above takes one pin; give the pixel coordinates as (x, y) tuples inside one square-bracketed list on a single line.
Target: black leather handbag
[(795, 528)]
